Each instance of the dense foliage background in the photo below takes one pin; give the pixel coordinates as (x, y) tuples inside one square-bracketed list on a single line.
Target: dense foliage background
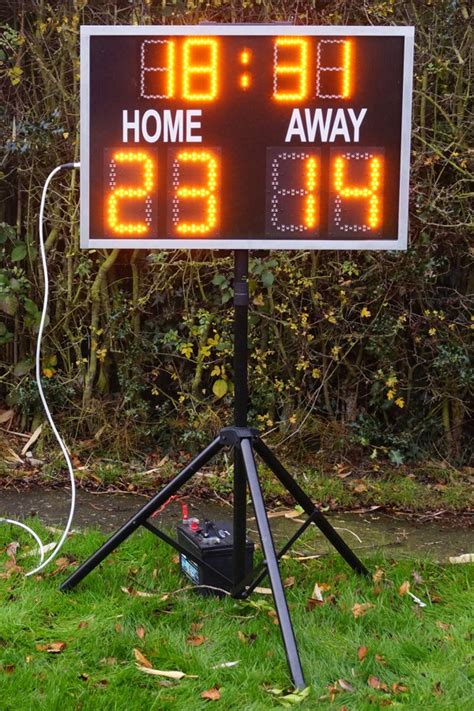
[(353, 353)]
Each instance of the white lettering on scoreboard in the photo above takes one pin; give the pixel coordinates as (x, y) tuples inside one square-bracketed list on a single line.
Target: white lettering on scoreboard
[(180, 126)]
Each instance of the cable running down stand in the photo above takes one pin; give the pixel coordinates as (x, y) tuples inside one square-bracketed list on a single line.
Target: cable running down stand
[(245, 443)]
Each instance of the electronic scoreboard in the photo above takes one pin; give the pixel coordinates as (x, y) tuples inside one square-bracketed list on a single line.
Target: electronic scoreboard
[(245, 136)]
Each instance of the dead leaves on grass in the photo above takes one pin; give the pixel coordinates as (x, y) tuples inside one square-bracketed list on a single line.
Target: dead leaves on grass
[(211, 694), (168, 674), (404, 588), (317, 597), (144, 665), (51, 647), (345, 686), (142, 660), (140, 632), (196, 640), (7, 669), (359, 609)]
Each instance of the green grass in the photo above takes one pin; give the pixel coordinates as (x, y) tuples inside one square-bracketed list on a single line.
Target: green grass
[(393, 490), (426, 651)]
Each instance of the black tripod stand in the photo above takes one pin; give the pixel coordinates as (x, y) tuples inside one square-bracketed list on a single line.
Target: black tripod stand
[(244, 442)]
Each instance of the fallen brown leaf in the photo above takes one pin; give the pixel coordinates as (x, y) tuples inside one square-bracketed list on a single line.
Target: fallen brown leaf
[(404, 588), (118, 627), (82, 625), (197, 640), (437, 689), (345, 685), (51, 647), (375, 683), (378, 575), (140, 631), (169, 674), (289, 582), (362, 653), (211, 694), (361, 609), (32, 440), (108, 661), (11, 550), (11, 568), (8, 668), (142, 660), (137, 593), (399, 688), (274, 617), (312, 602), (442, 625), (63, 561), (6, 416)]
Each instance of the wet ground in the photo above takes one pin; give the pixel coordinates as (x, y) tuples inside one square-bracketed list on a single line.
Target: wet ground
[(398, 536)]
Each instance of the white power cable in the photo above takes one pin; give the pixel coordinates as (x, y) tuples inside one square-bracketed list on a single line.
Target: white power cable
[(57, 548)]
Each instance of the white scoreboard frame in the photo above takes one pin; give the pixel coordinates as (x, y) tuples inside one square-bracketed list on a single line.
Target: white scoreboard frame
[(400, 243)]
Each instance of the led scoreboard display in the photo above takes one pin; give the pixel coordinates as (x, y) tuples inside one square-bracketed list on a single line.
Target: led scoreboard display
[(245, 136)]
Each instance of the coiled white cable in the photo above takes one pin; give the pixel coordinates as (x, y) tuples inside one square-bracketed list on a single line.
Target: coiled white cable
[(41, 548)]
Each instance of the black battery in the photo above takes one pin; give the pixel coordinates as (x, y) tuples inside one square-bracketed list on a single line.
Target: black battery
[(211, 542)]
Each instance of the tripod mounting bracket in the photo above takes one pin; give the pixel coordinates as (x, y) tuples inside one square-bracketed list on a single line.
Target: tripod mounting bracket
[(232, 436)]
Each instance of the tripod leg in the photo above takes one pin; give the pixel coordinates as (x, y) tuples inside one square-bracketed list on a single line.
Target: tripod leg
[(271, 562), (240, 519), (305, 502), (142, 514)]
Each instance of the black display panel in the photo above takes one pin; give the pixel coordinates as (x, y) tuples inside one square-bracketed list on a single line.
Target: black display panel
[(232, 136)]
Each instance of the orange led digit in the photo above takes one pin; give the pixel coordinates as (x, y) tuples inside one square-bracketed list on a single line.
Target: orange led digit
[(346, 70), (245, 81), (148, 72), (208, 72), (293, 199), (342, 72), (310, 200), (170, 56), (370, 192), (142, 193), (207, 193), (284, 69), (245, 56)]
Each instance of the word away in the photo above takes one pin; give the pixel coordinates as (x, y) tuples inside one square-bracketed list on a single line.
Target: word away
[(329, 124)]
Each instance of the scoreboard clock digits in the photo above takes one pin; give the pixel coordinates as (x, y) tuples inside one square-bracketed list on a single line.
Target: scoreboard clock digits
[(194, 67), (249, 137)]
